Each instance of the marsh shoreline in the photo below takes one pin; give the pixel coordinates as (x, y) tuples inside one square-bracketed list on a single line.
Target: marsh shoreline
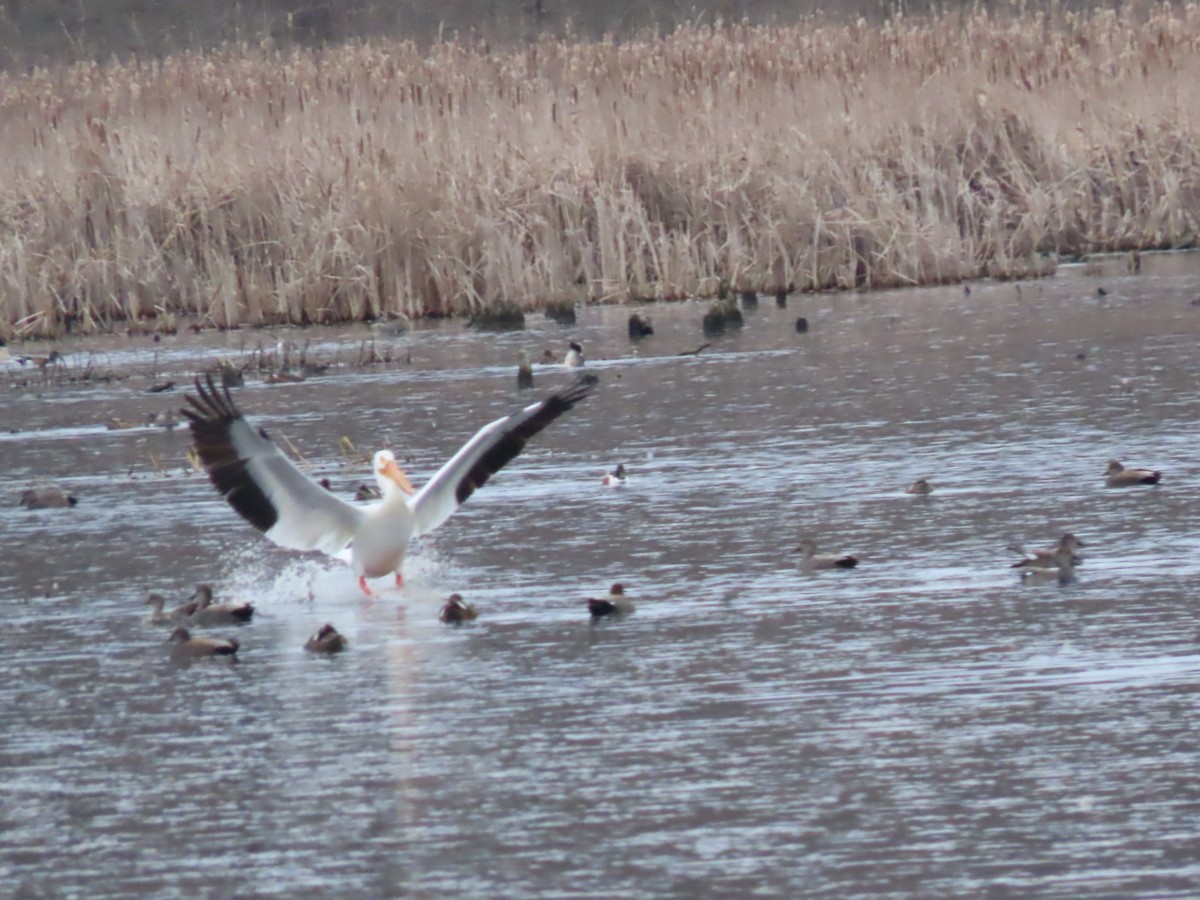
[(362, 181)]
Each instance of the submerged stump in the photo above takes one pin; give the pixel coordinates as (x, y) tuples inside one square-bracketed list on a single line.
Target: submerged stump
[(722, 315)]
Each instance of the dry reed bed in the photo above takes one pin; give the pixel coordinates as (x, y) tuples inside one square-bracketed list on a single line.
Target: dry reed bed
[(248, 186)]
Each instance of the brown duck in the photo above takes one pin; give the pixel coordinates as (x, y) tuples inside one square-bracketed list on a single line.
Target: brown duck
[(208, 613), (813, 562), (456, 611), (179, 614), (1119, 476), (327, 640), (184, 647)]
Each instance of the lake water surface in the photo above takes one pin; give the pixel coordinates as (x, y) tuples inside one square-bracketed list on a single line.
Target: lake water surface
[(924, 725)]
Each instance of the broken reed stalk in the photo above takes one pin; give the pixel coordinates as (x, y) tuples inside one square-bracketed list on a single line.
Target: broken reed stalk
[(388, 179)]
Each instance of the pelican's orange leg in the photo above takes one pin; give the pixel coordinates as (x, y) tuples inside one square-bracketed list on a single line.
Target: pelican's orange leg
[(366, 589), (399, 581)]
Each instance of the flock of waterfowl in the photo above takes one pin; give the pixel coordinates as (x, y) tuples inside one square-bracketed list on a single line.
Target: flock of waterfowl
[(263, 486), (269, 491), (1057, 562), (200, 611)]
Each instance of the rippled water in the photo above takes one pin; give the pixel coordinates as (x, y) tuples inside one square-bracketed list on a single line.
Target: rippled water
[(925, 725)]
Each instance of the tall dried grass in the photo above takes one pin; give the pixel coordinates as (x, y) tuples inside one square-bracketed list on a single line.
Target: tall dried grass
[(255, 186)]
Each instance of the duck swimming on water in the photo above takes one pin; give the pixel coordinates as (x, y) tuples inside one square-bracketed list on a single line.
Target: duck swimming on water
[(813, 562), (47, 497), (1119, 476), (1048, 558), (456, 611), (615, 604), (185, 648), (178, 614), (1063, 570), (327, 640), (208, 613)]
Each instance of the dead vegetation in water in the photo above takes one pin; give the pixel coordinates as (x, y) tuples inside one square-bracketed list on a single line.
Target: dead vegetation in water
[(388, 180)]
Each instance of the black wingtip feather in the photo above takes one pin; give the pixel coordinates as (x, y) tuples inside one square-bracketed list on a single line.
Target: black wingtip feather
[(514, 442), (211, 422)]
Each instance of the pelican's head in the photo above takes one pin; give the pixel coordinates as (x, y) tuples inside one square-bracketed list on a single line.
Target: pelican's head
[(389, 475)]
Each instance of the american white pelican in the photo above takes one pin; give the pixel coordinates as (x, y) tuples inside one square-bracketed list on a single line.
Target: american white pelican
[(1119, 476), (1048, 559), (812, 562), (220, 614), (456, 611), (574, 357), (615, 604), (920, 487), (267, 490), (615, 478), (185, 647), (524, 371), (327, 640)]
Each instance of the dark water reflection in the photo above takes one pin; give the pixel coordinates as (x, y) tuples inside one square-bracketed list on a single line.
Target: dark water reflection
[(922, 726)]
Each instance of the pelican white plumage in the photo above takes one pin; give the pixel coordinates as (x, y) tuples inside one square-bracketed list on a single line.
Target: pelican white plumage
[(294, 511)]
